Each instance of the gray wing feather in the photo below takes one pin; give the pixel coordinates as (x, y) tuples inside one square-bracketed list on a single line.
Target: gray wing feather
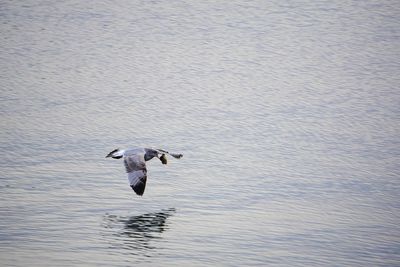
[(135, 166), (134, 163)]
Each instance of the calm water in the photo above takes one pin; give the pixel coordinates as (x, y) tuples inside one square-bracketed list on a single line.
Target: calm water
[(287, 113)]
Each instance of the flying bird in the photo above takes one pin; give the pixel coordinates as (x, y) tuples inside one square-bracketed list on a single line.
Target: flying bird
[(135, 164)]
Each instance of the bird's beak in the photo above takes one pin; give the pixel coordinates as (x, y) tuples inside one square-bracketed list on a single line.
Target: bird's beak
[(109, 155)]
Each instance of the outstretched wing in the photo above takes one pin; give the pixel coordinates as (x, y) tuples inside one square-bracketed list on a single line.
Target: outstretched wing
[(162, 151), (135, 166)]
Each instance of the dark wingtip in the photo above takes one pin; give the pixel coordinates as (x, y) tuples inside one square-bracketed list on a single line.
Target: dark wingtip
[(177, 156), (139, 188), (110, 154)]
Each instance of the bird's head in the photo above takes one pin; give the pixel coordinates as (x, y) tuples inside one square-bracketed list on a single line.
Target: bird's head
[(115, 154), (163, 159)]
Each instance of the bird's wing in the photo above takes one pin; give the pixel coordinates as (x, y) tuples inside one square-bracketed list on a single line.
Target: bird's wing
[(162, 151), (135, 166)]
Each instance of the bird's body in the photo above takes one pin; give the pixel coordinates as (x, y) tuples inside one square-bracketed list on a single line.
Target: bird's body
[(135, 164)]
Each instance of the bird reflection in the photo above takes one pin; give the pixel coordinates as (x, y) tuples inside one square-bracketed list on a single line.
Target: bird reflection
[(136, 232)]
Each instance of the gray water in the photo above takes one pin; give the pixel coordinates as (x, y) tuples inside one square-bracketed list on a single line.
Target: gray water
[(287, 113)]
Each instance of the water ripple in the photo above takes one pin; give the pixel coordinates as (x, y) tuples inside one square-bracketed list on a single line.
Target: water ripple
[(136, 234)]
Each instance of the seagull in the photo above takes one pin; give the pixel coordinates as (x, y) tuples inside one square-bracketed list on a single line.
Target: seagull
[(135, 164)]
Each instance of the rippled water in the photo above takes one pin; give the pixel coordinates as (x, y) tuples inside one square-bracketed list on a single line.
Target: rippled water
[(287, 114)]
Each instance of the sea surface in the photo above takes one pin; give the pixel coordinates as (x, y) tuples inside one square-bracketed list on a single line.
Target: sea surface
[(287, 114)]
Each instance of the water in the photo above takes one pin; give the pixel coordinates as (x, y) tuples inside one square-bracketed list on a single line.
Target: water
[(287, 114)]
